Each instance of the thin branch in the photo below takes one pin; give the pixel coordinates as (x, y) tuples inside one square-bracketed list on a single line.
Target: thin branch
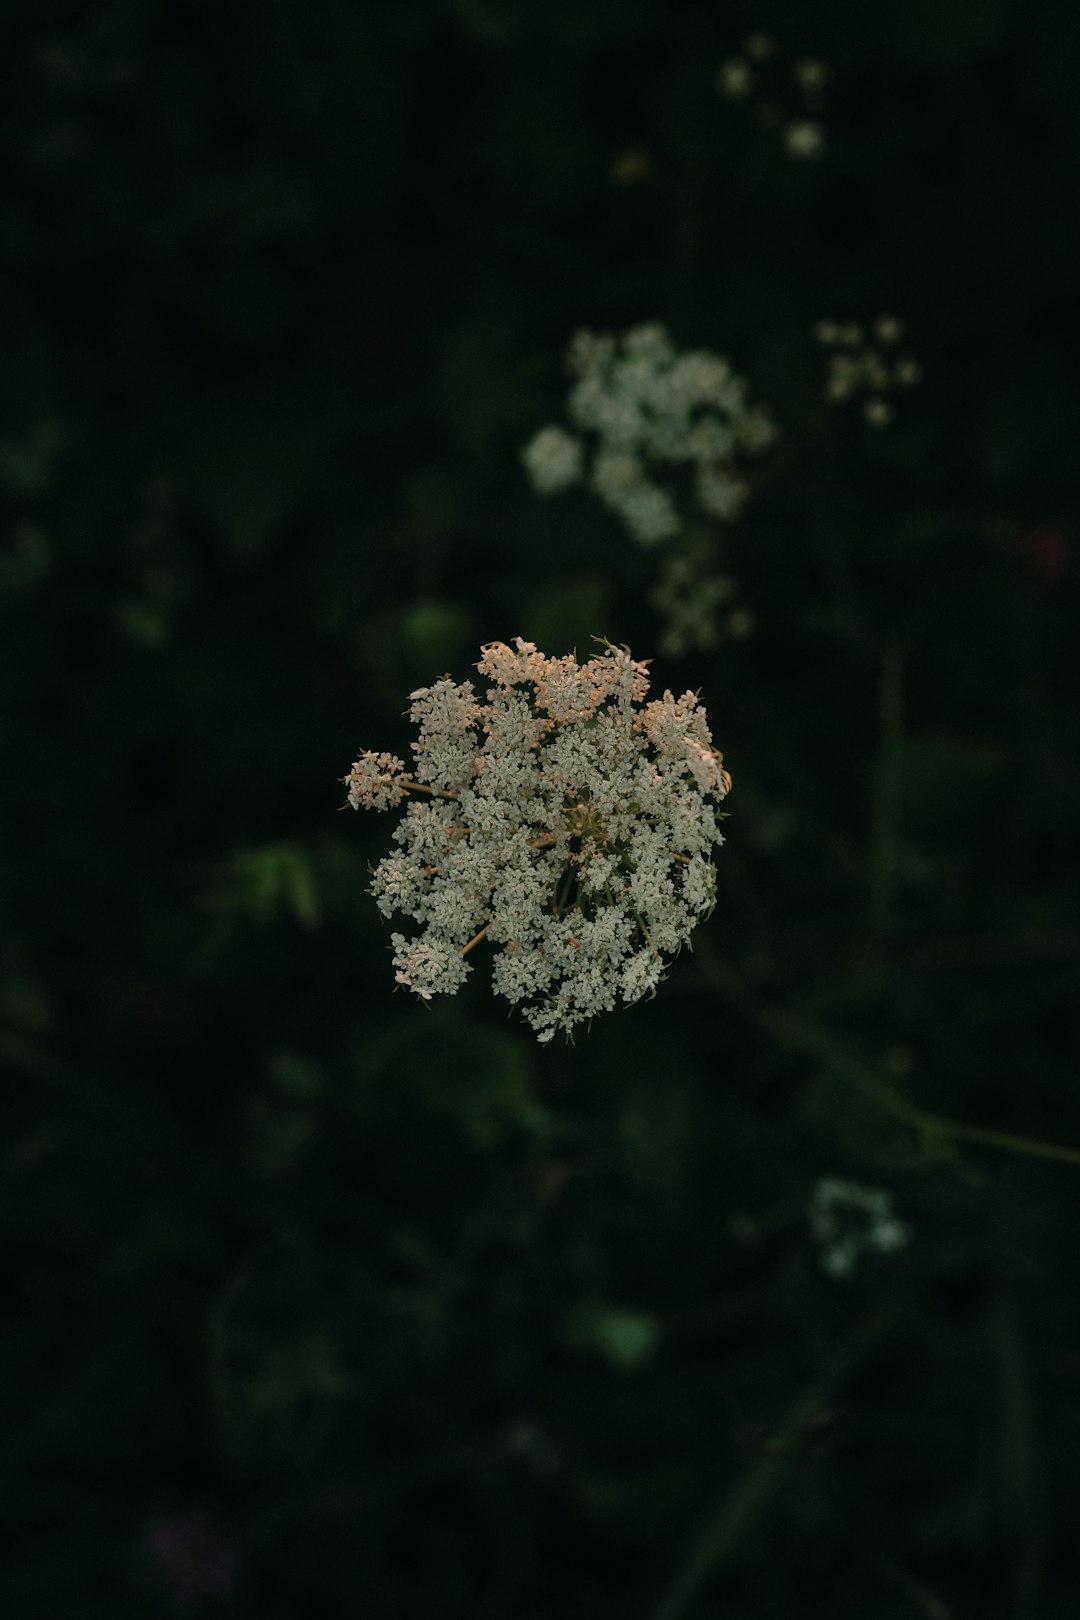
[(475, 939), (800, 1035)]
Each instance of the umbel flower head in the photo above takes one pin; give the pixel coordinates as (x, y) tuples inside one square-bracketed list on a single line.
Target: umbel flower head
[(560, 817), (644, 408)]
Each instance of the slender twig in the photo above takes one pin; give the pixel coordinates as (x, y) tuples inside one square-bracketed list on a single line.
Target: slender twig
[(465, 949), (421, 787), (744, 1503), (799, 1034)]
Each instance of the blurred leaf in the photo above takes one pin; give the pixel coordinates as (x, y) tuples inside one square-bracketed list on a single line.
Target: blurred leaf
[(626, 1339)]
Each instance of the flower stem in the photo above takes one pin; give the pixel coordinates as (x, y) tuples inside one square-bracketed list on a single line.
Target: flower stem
[(475, 939), (799, 1034), (421, 787)]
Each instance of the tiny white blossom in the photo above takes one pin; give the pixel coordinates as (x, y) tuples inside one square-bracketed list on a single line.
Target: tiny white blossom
[(734, 78), (811, 75), (569, 822), (373, 782), (804, 138), (888, 329), (720, 494), (790, 96), (848, 1219), (857, 371), (553, 460)]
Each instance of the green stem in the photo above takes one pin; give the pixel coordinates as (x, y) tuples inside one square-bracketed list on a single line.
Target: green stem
[(800, 1035), (745, 1502)]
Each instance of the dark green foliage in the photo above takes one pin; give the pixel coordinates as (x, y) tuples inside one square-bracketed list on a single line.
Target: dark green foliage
[(320, 1302)]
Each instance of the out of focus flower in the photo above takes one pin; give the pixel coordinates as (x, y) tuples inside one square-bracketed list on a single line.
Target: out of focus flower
[(642, 407), (811, 75), (734, 78), (553, 461), (804, 138), (848, 1220), (792, 99), (856, 370), (632, 167)]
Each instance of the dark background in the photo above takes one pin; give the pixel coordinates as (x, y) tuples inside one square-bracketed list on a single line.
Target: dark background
[(322, 1303)]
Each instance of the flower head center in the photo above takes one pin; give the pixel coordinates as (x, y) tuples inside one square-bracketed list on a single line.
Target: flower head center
[(584, 821)]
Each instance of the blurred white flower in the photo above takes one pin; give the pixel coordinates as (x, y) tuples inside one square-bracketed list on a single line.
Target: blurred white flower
[(888, 329), (734, 78), (687, 596), (811, 75), (646, 408), (552, 460), (791, 95), (856, 371), (804, 138), (848, 1220)]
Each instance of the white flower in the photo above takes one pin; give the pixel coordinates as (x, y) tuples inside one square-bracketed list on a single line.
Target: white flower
[(848, 1220), (577, 834), (552, 460), (687, 597), (879, 412), (855, 370), (734, 78), (811, 75), (720, 494), (645, 408), (372, 782), (804, 138)]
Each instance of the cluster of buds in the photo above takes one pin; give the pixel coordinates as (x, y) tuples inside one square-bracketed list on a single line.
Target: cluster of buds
[(867, 369), (791, 99), (560, 817)]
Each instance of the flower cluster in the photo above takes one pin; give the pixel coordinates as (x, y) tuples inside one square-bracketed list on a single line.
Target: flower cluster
[(792, 100), (698, 606), (563, 818), (848, 1219), (866, 370), (644, 405)]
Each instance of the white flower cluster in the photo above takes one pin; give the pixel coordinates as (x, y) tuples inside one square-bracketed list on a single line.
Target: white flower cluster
[(848, 1219), (794, 104), (646, 404), (690, 597), (564, 818), (857, 369)]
